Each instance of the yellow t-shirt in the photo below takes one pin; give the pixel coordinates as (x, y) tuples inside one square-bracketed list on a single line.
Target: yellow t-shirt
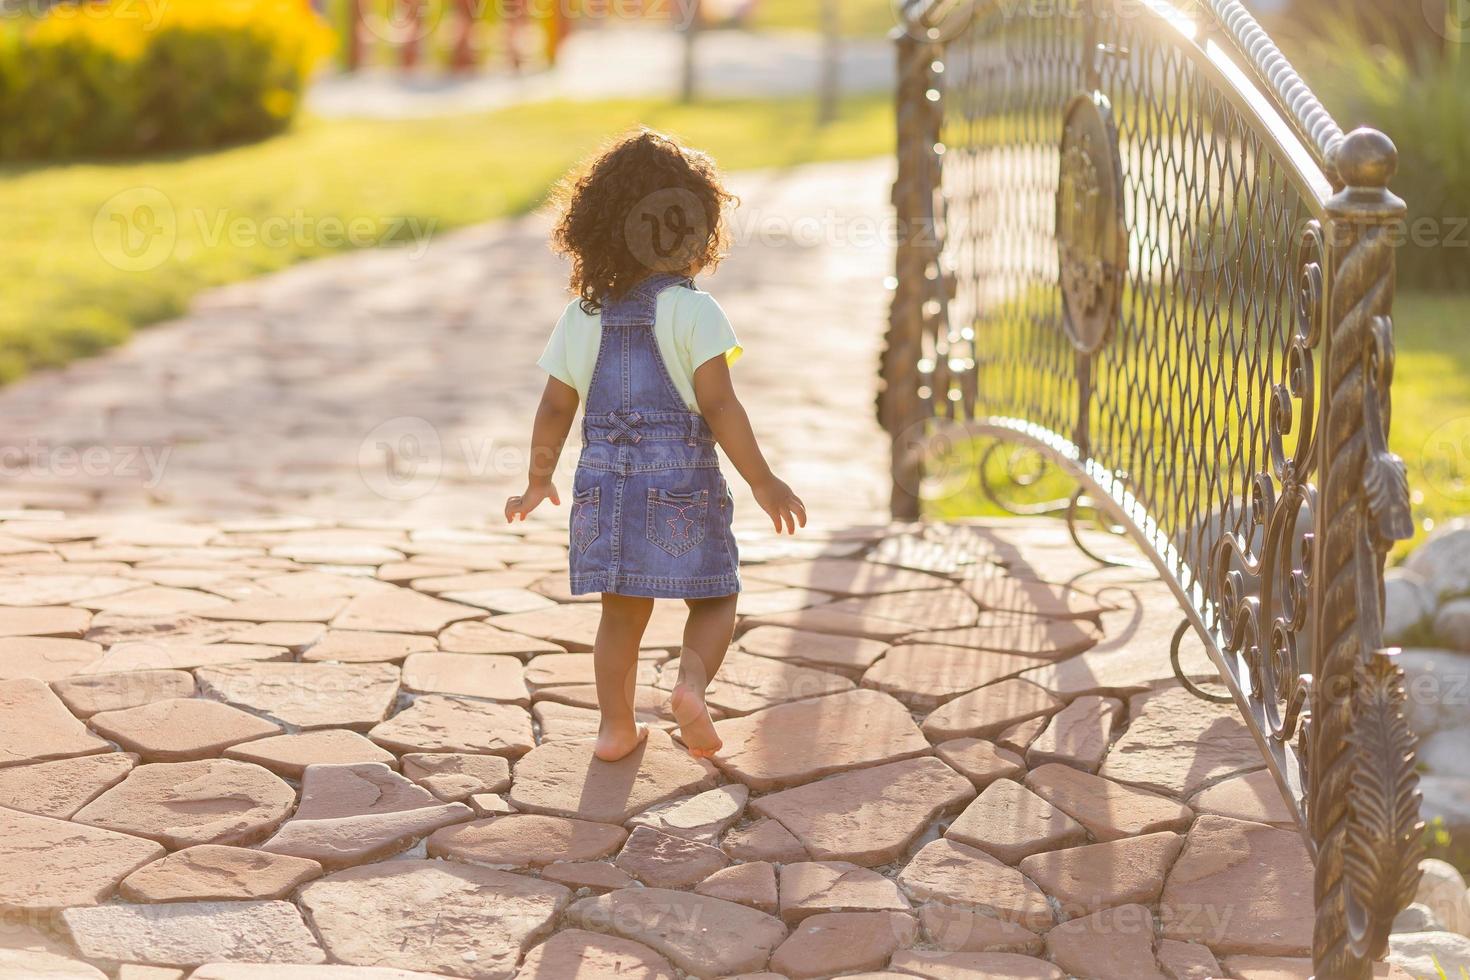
[(689, 327)]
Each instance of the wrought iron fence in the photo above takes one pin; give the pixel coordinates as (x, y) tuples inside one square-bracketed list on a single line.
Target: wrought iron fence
[(1134, 243)]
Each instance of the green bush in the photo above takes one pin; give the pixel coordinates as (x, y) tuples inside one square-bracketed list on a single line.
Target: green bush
[(1418, 96), (122, 78)]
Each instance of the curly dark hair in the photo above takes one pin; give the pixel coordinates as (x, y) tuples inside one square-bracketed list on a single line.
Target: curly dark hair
[(644, 205)]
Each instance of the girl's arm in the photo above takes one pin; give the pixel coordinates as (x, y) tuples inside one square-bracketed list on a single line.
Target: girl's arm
[(553, 421), (715, 393)]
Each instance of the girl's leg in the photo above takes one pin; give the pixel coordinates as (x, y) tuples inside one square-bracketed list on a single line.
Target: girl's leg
[(707, 636), (615, 665)]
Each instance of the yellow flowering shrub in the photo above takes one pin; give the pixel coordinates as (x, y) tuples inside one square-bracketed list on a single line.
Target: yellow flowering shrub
[(132, 76)]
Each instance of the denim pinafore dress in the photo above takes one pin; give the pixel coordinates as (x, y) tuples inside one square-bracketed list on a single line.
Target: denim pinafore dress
[(651, 514)]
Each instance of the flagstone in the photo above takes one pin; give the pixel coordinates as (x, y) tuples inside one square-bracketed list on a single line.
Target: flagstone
[(647, 701), (180, 729), (568, 722), (289, 755), (574, 626), (926, 675), (1112, 944), (961, 876), (800, 741), (62, 787), (935, 965), (45, 658), (34, 964), (440, 723), (473, 636), (1009, 822), (155, 600), (178, 804), (443, 917), (846, 618), (44, 621), (499, 600), (273, 608), (277, 971), (1109, 810), (774, 600), (961, 930), (565, 779), (868, 816), (569, 669), (1078, 735), (980, 761), (848, 655), (337, 554), (747, 683), (662, 860), (1018, 737), (462, 580), (401, 611), (53, 864), (526, 840), (1017, 633), (596, 876), (730, 939), (212, 872), (1093, 877), (812, 887), (306, 695), (1253, 796), (35, 725), (1240, 887), (296, 637), (752, 884), (153, 655), (489, 804), (1190, 961), (988, 711), (579, 953), (764, 840), (415, 570), (840, 941), (351, 814), (994, 588), (1177, 744), (701, 818), (456, 776), (366, 646), (193, 933), (845, 577), (480, 675)]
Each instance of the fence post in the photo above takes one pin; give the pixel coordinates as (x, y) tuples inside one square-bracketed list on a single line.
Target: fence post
[(900, 409), (1363, 800)]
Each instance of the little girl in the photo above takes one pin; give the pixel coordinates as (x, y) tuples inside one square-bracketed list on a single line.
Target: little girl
[(650, 356)]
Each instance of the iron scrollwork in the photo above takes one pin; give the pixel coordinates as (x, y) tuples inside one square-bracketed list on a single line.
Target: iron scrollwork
[(1091, 237)]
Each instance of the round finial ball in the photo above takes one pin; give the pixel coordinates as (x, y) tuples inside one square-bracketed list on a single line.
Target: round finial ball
[(1366, 158)]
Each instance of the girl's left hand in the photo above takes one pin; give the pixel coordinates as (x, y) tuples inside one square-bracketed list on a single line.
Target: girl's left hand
[(528, 501)]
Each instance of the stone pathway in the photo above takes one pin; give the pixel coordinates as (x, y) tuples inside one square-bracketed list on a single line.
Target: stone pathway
[(287, 713), (619, 62)]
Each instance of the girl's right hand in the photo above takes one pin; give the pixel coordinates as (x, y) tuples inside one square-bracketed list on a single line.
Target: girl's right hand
[(525, 503), (784, 507)]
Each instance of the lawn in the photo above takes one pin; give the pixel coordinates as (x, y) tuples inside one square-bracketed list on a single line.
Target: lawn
[(1430, 423), (855, 18), (94, 251)]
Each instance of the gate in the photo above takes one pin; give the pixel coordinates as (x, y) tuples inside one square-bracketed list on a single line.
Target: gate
[(1135, 245)]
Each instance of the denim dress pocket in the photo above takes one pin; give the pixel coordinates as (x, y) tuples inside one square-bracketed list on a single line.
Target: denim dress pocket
[(677, 521), (585, 506)]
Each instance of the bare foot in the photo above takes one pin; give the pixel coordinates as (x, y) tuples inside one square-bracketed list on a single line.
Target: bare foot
[(695, 727), (612, 746)]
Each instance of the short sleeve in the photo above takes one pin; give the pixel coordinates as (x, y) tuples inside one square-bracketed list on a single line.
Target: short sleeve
[(554, 360), (712, 335)]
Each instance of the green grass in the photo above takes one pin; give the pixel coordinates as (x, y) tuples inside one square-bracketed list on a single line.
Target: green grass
[(1430, 424), (72, 290), (856, 18)]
